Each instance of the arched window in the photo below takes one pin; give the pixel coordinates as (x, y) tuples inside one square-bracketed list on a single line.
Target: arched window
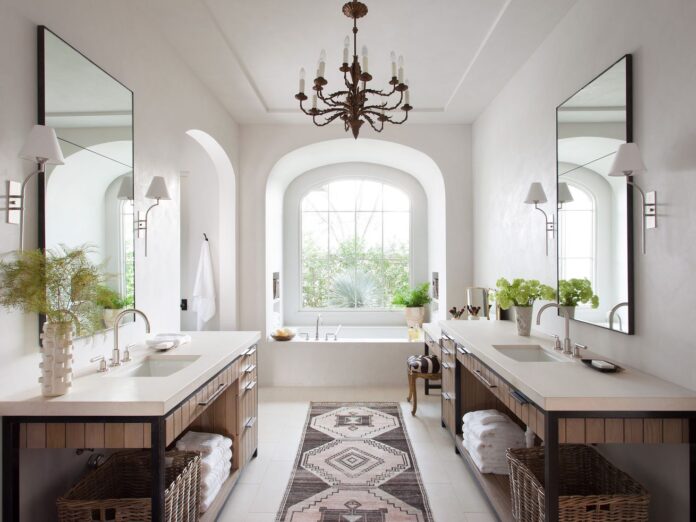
[(578, 247), (355, 245)]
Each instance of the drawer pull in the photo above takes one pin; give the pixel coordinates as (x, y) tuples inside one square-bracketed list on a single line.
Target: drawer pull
[(519, 397), (446, 352), (221, 388), (446, 396), (250, 422), (446, 366), (250, 386), (463, 350), (249, 368), (250, 351), (485, 381)]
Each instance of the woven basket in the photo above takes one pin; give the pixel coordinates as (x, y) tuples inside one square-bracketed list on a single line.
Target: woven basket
[(591, 488), (119, 490)]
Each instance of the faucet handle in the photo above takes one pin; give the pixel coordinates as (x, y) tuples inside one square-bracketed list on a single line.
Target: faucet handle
[(577, 348), (557, 342), (126, 353), (102, 363)]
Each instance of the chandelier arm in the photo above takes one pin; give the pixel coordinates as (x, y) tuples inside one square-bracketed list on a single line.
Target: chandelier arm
[(329, 100), (385, 107), (328, 120), (377, 92), (402, 121), (373, 125)]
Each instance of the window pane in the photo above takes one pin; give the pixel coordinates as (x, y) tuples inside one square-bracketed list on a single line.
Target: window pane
[(577, 268), (317, 199), (315, 233), (315, 281), (342, 195), (395, 199), (397, 234), (578, 234), (369, 231), (369, 195), (342, 233)]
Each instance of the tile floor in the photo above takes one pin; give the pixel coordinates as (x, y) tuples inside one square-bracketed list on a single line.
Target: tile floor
[(453, 494)]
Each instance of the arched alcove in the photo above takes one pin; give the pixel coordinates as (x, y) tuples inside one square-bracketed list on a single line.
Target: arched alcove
[(225, 250), (389, 154)]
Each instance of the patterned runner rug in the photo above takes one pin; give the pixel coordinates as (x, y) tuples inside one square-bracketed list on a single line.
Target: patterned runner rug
[(355, 464)]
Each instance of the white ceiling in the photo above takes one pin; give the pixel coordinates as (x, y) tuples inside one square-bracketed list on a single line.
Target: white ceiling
[(458, 53)]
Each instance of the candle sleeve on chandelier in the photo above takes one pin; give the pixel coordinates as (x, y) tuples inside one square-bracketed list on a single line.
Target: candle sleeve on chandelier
[(346, 45), (407, 94), (322, 64), (392, 56), (314, 101), (302, 80), (401, 69), (364, 55)]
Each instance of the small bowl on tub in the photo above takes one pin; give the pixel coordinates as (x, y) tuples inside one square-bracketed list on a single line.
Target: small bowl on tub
[(283, 334)]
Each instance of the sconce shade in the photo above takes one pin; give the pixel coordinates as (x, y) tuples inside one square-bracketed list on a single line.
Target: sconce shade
[(125, 191), (564, 195), (536, 194), (627, 161), (158, 189), (42, 144)]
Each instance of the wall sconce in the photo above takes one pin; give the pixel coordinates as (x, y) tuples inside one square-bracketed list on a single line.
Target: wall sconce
[(157, 191), (627, 162), (41, 146), (564, 195), (125, 190), (535, 196)]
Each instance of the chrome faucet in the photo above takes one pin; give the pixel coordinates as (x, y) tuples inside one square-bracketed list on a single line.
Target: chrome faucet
[(567, 344), (612, 313), (316, 332), (116, 354)]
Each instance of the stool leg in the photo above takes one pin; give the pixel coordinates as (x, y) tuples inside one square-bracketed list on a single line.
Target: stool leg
[(415, 397), (410, 386)]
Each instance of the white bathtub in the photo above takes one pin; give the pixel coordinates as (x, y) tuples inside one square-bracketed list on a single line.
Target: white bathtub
[(362, 356)]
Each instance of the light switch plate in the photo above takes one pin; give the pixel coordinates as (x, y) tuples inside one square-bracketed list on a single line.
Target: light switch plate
[(14, 202), (651, 209)]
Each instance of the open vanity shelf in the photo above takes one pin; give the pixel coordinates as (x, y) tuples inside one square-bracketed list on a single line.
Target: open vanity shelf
[(227, 404)]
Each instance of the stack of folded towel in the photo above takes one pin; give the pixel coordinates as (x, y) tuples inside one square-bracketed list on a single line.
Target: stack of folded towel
[(487, 434), (216, 461)]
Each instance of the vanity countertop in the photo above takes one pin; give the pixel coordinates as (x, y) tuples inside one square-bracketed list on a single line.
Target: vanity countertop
[(568, 385), (109, 394)]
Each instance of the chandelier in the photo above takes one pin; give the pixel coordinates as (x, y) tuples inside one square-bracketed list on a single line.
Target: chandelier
[(357, 104)]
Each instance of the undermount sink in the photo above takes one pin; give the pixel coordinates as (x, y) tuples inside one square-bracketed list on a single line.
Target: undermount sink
[(155, 366), (528, 353)]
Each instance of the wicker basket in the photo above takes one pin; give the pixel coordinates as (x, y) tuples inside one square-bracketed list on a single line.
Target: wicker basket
[(591, 488), (119, 490)]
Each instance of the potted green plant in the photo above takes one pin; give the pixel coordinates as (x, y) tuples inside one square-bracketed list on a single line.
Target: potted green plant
[(112, 304), (62, 285), (520, 294), (572, 292), (414, 300)]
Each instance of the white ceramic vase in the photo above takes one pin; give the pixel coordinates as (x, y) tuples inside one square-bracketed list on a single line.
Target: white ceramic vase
[(415, 316), (523, 317), (56, 359)]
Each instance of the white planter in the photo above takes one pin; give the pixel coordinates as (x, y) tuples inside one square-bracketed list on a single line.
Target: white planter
[(523, 317), (415, 316), (570, 310), (56, 359), (110, 315)]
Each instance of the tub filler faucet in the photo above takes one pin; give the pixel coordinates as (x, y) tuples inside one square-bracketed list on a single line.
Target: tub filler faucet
[(316, 331)]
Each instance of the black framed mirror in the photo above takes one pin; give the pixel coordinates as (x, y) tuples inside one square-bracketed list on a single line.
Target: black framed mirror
[(89, 199), (595, 211)]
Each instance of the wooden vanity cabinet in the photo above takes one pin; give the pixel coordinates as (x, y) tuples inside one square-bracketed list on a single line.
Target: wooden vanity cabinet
[(227, 404)]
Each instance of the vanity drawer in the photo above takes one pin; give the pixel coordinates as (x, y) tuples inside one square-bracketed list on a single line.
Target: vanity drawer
[(448, 360), (433, 347)]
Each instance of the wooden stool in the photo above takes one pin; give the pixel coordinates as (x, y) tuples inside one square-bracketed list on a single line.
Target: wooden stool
[(417, 366)]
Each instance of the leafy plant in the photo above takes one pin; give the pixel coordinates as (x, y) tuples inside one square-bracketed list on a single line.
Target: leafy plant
[(353, 289), (571, 292), (61, 284), (110, 299), (414, 297), (521, 292)]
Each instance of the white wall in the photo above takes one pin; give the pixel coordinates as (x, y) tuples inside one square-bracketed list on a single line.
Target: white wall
[(264, 145), (169, 100), (514, 144)]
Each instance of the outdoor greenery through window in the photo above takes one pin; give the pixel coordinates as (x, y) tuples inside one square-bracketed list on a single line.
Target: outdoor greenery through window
[(355, 244)]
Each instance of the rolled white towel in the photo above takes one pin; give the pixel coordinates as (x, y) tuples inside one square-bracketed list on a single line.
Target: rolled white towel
[(225, 442), (488, 465), (484, 417), (217, 476), (209, 497), (218, 456), (496, 429), (198, 441), (507, 439)]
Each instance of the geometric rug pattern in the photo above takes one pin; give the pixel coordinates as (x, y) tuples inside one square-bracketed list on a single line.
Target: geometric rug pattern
[(355, 464)]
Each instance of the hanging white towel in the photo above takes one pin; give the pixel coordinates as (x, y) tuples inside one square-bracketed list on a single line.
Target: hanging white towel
[(204, 288)]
